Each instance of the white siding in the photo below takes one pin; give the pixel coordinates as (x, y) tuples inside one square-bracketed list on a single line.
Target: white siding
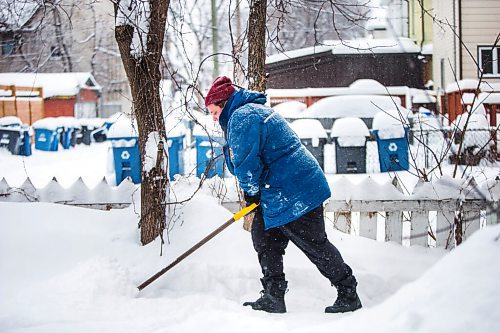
[(480, 26), (445, 44)]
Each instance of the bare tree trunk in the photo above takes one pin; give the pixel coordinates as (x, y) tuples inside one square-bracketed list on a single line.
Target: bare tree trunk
[(257, 45), (143, 72)]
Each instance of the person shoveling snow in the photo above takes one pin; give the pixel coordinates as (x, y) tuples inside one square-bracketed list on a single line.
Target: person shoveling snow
[(276, 171)]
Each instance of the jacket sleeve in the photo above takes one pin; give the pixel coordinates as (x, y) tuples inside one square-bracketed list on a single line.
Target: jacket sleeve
[(227, 158), (244, 142)]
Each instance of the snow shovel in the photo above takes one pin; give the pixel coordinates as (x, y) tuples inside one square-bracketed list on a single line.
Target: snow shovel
[(183, 256)]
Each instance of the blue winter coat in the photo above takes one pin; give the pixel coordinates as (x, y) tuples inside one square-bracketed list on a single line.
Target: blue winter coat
[(267, 157)]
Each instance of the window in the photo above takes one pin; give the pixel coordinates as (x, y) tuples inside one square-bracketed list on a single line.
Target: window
[(7, 47), (489, 61), (55, 51)]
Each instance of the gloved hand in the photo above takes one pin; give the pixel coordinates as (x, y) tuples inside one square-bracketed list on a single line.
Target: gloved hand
[(250, 199), (248, 219)]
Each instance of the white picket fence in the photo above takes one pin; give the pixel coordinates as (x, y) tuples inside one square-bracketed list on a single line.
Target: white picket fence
[(102, 196), (431, 216), (428, 217)]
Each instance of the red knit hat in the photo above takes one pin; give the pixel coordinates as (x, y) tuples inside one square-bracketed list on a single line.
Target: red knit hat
[(220, 91)]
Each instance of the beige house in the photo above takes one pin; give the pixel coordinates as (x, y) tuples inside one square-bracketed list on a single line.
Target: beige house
[(65, 36), (464, 35)]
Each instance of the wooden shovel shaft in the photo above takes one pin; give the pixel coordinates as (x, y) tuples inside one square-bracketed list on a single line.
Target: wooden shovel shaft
[(183, 256)]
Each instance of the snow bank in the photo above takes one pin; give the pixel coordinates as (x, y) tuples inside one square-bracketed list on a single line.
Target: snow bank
[(362, 106)]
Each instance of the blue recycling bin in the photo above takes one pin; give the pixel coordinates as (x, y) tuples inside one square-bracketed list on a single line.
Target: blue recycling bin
[(127, 159), (393, 153), (175, 155), (47, 139), (66, 137), (205, 155)]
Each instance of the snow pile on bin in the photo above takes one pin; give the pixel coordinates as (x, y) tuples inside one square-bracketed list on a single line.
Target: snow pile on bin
[(390, 124), (309, 129), (291, 109), (350, 132)]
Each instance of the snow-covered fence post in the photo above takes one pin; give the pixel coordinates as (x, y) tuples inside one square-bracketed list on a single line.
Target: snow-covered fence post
[(342, 221), (394, 227), (368, 224), (444, 226), (419, 227)]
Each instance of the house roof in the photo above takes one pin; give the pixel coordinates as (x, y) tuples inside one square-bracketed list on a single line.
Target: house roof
[(14, 14), (53, 84), (355, 46)]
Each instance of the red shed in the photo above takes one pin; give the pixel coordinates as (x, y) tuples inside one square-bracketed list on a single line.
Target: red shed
[(64, 94)]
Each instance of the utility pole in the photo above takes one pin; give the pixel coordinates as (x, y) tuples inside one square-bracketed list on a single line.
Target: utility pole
[(215, 41)]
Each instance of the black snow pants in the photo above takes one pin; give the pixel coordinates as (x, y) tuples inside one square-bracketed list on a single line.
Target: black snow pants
[(308, 234)]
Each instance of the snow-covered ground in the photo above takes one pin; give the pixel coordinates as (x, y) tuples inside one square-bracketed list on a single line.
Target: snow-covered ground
[(67, 269)]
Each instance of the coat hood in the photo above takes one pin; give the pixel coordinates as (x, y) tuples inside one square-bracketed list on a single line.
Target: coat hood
[(236, 100)]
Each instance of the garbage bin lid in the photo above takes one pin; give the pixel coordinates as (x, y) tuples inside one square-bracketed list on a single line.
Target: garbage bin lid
[(309, 129), (48, 123), (10, 120)]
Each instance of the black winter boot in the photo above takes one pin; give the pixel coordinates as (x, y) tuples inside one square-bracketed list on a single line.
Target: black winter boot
[(272, 298), (347, 297)]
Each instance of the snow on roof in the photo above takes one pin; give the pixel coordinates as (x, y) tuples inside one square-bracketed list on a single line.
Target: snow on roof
[(359, 87), (390, 124), (308, 129), (10, 120), (291, 109), (14, 14), (427, 49), (363, 106), (466, 84), (53, 84), (349, 127), (355, 46), (124, 127)]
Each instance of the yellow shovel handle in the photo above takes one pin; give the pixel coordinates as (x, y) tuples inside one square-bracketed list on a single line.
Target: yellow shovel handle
[(244, 211)]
